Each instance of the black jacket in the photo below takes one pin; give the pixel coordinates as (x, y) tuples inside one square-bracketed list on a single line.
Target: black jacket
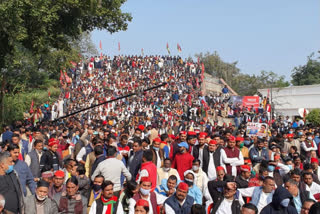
[(206, 158), (275, 207), (241, 183), (135, 164), (218, 197), (96, 162)]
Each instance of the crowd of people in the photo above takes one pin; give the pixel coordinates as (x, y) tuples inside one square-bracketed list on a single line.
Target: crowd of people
[(159, 151)]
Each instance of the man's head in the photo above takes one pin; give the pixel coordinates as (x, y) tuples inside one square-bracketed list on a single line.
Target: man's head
[(167, 163), (138, 133), (172, 182), (183, 146), (231, 142), (212, 146), (14, 150), (147, 156), (137, 144), (292, 186), (307, 178), (53, 144), (249, 209), (42, 190), (145, 186), (183, 136), (107, 189), (72, 186), (314, 163), (112, 152), (229, 190), (307, 204), (268, 184), (15, 139), (220, 173), (156, 143), (38, 145), (260, 144), (196, 165), (245, 171), (182, 191), (58, 178), (202, 139), (124, 140), (5, 162)]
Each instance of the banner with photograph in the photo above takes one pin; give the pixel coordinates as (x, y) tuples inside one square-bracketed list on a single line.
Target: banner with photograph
[(257, 129)]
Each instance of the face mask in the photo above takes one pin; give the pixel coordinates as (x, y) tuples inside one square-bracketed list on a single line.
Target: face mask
[(144, 191), (96, 187), (241, 145), (309, 138), (271, 168), (2, 203), (41, 198), (246, 142), (290, 167), (155, 148), (10, 169), (299, 133), (285, 202), (253, 172), (290, 132), (45, 148), (195, 168), (189, 182), (166, 169)]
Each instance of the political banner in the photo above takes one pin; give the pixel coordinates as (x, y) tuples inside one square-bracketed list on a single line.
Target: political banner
[(249, 101), (257, 129)]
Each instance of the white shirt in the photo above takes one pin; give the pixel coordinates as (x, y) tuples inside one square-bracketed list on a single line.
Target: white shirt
[(93, 208), (225, 207), (212, 174), (248, 192), (158, 160), (314, 188), (160, 200), (234, 162)]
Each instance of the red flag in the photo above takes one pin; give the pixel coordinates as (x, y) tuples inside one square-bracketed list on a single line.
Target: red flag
[(179, 48), (49, 94), (168, 48), (118, 46), (202, 72), (198, 60), (31, 107), (100, 45)]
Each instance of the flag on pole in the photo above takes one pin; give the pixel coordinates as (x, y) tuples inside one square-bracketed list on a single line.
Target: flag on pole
[(198, 60), (31, 107), (202, 72), (100, 45), (142, 53), (118, 46), (268, 93), (168, 48), (179, 48)]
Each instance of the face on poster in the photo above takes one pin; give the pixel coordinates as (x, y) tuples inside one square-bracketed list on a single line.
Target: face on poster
[(257, 129)]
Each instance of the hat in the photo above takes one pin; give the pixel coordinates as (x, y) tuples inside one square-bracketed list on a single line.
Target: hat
[(42, 183), (52, 142), (314, 160), (183, 144), (172, 136), (145, 179), (183, 132), (157, 140), (232, 138), (219, 168), (47, 174), (245, 168), (276, 157), (202, 135), (212, 142), (189, 172), (239, 139), (183, 186), (290, 135), (104, 122), (247, 161), (59, 173), (141, 127), (142, 203), (190, 133)]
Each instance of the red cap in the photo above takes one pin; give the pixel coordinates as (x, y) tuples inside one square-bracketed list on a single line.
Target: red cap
[(247, 161), (183, 132), (157, 140), (183, 186), (104, 122), (245, 168), (314, 160), (212, 142), (52, 142), (145, 179), (239, 139), (192, 133), (202, 135), (219, 168), (141, 127), (59, 173), (276, 157), (290, 135), (172, 136), (142, 203), (232, 138)]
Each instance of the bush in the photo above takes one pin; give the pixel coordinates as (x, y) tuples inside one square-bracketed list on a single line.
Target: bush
[(15, 105), (314, 117)]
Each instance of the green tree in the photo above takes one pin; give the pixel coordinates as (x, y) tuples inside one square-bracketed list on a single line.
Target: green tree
[(308, 74), (314, 117)]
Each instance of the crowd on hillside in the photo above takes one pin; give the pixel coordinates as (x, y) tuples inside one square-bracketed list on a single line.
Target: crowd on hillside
[(163, 150)]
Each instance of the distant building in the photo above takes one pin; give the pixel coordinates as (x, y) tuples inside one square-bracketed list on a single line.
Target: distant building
[(288, 100)]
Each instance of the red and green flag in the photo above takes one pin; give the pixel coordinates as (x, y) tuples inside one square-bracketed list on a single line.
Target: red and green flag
[(168, 48), (179, 48)]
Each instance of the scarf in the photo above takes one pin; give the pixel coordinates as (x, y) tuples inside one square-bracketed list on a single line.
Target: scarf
[(109, 203)]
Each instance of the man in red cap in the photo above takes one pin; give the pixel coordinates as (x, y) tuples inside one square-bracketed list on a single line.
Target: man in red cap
[(180, 202), (174, 148), (145, 193), (158, 153), (242, 180), (231, 157), (141, 207), (211, 160), (199, 149), (315, 166), (57, 186), (50, 159)]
